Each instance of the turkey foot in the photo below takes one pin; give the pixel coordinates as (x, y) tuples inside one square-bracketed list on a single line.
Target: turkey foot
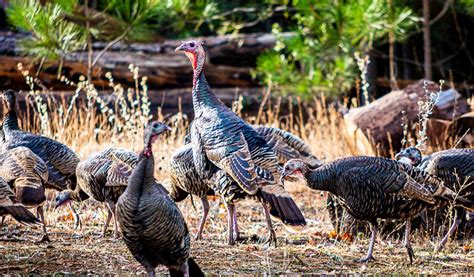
[(411, 254), (367, 259), (272, 239), (45, 238)]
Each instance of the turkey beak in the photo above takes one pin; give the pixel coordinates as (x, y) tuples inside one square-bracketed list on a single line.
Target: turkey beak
[(59, 202), (399, 155), (168, 128), (182, 47)]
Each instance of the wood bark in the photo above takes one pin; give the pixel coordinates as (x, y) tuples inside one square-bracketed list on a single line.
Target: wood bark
[(230, 61), (377, 127)]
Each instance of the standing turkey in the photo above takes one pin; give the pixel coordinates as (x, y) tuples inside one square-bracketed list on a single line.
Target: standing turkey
[(222, 139), (60, 160), (27, 174), (152, 226), (103, 177), (10, 206), (372, 187), (185, 179), (456, 168)]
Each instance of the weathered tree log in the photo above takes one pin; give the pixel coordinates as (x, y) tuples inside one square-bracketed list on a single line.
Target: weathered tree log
[(231, 59), (377, 128)]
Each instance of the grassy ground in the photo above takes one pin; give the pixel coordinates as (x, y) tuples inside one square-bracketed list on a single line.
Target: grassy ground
[(314, 251)]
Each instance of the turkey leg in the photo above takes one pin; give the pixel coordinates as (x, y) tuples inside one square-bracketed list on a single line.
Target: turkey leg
[(230, 224), (77, 219), (370, 257), (272, 236), (107, 220), (452, 229), (114, 217), (40, 212), (202, 222), (406, 241), (236, 227)]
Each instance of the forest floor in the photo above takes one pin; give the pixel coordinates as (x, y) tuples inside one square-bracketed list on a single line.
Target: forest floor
[(317, 250)]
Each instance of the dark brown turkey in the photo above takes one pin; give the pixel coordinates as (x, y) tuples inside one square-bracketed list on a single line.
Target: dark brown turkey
[(27, 174), (247, 164), (102, 177), (371, 188), (60, 160), (185, 179), (151, 224), (456, 168)]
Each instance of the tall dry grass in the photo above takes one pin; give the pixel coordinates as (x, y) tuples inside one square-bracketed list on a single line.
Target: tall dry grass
[(88, 122)]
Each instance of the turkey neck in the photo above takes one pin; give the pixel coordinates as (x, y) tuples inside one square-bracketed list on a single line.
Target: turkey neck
[(142, 179), (322, 179), (10, 122), (78, 195), (203, 97)]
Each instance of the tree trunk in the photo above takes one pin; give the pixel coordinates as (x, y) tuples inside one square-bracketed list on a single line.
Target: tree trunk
[(377, 127), (391, 49), (427, 40)]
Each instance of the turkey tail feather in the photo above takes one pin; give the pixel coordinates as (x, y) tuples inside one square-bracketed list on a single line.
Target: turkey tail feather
[(282, 206), (178, 194), (194, 269), (22, 215), (176, 272), (459, 201)]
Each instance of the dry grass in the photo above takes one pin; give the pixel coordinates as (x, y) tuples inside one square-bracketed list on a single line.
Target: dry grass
[(76, 251), (119, 122)]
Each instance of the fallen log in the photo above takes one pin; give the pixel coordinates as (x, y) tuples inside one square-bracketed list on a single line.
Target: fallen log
[(377, 128), (230, 61)]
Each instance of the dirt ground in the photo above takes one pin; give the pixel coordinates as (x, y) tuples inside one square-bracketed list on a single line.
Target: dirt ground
[(314, 251)]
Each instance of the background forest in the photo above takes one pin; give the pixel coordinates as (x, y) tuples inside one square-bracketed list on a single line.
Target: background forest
[(321, 46)]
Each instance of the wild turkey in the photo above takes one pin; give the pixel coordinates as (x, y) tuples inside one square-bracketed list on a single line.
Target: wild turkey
[(60, 160), (372, 187), (27, 174), (456, 168), (222, 139), (103, 177), (185, 179), (152, 226)]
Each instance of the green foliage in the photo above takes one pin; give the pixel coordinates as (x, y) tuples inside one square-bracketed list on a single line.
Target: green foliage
[(53, 37), (467, 6), (62, 27), (134, 16), (320, 56)]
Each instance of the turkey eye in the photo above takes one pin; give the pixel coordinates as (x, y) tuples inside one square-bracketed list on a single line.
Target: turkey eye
[(192, 45), (155, 125)]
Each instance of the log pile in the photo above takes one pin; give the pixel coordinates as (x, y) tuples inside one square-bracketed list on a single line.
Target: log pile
[(377, 128)]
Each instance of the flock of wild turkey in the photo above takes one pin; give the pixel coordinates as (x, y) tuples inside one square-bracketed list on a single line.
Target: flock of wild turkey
[(225, 156)]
